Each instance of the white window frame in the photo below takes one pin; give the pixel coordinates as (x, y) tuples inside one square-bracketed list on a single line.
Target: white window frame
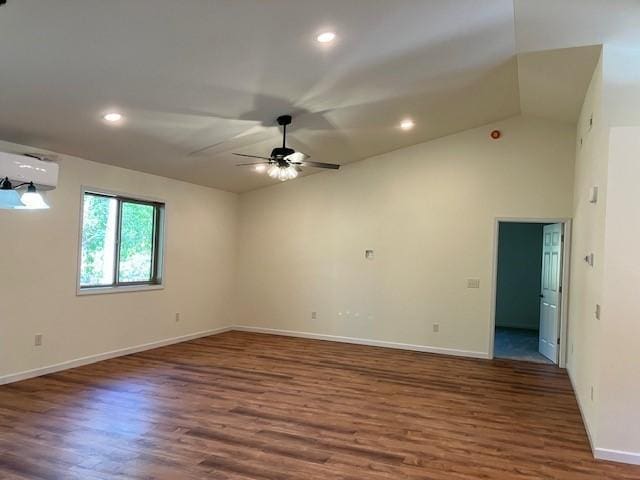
[(80, 290)]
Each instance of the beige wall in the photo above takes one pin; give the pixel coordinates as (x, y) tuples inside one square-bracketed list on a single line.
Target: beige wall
[(427, 211), (619, 398), (588, 237), (604, 353), (39, 269)]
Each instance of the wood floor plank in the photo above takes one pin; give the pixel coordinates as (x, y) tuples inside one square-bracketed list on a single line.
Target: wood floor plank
[(241, 406)]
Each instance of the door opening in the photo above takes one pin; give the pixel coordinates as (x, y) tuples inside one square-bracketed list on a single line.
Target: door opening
[(528, 305)]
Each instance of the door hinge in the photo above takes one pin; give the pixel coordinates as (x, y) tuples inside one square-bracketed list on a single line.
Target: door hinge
[(558, 341), (560, 290)]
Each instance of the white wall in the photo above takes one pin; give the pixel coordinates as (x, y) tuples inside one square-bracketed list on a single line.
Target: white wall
[(588, 237), (619, 399), (605, 352), (619, 396), (39, 267), (428, 212)]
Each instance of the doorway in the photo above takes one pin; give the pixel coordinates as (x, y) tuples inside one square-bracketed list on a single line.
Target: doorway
[(528, 308)]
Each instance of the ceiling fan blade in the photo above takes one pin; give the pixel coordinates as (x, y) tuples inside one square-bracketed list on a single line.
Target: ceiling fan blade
[(250, 164), (251, 156), (297, 157), (331, 166)]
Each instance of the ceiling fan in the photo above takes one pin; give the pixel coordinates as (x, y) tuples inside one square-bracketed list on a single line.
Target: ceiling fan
[(284, 163)]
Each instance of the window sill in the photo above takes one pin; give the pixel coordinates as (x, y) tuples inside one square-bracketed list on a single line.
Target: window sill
[(121, 289)]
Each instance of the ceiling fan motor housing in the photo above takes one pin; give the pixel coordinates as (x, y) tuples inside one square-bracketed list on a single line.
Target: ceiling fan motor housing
[(281, 152), (284, 120)]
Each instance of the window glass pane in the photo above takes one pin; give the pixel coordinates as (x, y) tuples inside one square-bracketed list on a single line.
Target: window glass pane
[(136, 242), (98, 240)]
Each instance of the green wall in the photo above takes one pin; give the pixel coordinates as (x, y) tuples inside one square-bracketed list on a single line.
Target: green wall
[(519, 271)]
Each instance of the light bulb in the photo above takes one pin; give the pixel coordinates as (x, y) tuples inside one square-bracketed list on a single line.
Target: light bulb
[(32, 199), (10, 199), (260, 168), (273, 171), (291, 172), (112, 117), (283, 173), (407, 124), (326, 37)]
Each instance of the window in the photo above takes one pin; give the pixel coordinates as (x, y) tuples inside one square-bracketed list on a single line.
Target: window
[(121, 244)]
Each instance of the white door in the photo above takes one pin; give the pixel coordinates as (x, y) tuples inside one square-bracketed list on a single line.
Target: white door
[(551, 291)]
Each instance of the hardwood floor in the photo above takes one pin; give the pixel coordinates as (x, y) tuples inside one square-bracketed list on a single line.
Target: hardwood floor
[(249, 406)]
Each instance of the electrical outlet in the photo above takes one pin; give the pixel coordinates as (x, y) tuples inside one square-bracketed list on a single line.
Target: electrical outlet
[(314, 315), (369, 255), (436, 327), (473, 283), (38, 340), (177, 316), (597, 311)]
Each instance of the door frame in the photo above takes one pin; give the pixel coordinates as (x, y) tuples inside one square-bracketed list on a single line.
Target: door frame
[(564, 297)]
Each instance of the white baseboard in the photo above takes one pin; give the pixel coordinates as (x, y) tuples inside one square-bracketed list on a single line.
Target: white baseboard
[(584, 419), (632, 458), (364, 341), (617, 456), (78, 362)]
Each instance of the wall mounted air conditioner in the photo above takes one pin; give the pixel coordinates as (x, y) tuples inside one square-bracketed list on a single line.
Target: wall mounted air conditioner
[(25, 168)]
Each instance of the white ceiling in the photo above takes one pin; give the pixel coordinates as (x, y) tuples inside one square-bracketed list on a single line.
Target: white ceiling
[(195, 73)]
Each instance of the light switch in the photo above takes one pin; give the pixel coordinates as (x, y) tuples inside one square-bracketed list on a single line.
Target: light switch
[(598, 311), (589, 259), (593, 195), (368, 254), (473, 283)]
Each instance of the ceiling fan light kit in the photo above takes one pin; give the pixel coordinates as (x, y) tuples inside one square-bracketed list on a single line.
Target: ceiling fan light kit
[(284, 163)]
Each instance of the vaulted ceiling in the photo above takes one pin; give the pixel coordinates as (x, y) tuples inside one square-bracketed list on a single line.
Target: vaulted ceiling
[(199, 79)]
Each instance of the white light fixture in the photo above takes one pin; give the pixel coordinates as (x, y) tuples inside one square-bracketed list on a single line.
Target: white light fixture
[(326, 37), (32, 200), (9, 198), (260, 168), (282, 173), (112, 117), (407, 124)]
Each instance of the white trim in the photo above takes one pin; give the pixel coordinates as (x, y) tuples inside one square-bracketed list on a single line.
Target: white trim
[(584, 420), (363, 341), (78, 362), (564, 305), (119, 289), (621, 456)]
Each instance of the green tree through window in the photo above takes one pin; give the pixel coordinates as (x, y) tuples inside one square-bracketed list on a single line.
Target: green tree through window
[(120, 241)]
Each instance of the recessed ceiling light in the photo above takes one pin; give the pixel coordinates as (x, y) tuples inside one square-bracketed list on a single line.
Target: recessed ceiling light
[(112, 117), (260, 168), (326, 37), (407, 124)]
